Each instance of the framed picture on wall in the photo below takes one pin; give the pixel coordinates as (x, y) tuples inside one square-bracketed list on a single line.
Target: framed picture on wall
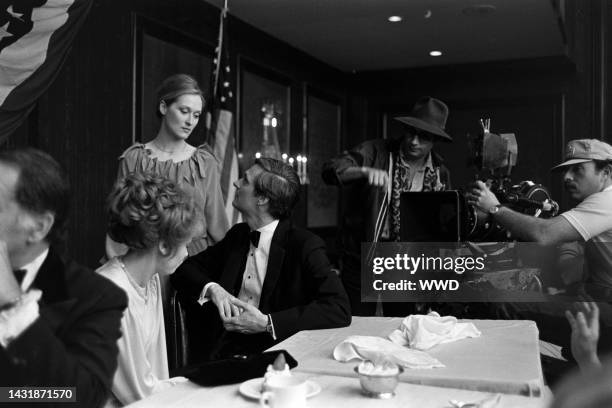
[(161, 51), (323, 115), (264, 112)]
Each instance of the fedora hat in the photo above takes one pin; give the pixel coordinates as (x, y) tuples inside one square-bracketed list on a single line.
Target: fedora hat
[(429, 114)]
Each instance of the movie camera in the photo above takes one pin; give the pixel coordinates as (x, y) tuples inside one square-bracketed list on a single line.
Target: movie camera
[(447, 217), (494, 156)]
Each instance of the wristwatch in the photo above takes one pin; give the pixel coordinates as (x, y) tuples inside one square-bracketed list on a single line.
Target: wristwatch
[(495, 209)]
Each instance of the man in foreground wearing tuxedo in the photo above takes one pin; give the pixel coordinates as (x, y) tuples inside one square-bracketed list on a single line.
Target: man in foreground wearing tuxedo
[(266, 280), (59, 322)]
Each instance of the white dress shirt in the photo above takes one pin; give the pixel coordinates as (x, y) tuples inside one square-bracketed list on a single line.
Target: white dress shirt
[(32, 270), (254, 272), (16, 319), (255, 269), (256, 266)]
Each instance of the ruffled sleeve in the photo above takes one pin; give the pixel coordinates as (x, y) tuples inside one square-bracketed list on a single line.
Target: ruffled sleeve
[(207, 168), (131, 159), (200, 172)]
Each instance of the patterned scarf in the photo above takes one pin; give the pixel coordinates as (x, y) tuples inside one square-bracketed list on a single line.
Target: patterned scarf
[(402, 182)]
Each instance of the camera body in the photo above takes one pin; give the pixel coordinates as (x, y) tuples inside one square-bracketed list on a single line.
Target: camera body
[(525, 197), (495, 155), (446, 216)]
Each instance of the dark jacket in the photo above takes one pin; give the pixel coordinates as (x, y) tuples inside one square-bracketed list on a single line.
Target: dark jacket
[(300, 290), (361, 202), (73, 343)]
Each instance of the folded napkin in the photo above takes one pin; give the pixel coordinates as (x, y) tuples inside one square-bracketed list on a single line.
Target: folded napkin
[(422, 332), (379, 349)]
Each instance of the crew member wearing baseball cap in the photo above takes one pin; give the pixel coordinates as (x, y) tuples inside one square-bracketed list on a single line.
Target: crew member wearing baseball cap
[(587, 176), (375, 173)]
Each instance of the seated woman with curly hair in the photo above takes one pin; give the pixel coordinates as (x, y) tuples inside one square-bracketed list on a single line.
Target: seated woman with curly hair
[(155, 220)]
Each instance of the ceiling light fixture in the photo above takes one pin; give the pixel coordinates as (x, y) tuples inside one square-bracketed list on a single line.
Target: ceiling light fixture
[(395, 19), (435, 53), (479, 10)]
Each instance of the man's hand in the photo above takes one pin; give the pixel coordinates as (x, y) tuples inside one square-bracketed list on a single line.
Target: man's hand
[(9, 288), (480, 196), (250, 320), (223, 300), (376, 177), (585, 334)]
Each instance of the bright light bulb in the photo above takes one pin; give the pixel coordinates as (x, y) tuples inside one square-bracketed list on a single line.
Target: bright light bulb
[(395, 19), (435, 53), (258, 155)]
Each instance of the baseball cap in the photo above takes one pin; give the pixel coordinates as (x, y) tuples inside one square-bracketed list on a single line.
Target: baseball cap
[(584, 150)]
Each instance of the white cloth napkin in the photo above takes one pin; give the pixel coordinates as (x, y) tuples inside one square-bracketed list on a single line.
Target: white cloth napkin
[(378, 349), (422, 332)]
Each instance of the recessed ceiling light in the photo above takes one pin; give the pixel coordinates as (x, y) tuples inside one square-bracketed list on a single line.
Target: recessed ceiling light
[(479, 10), (395, 19), (435, 53)]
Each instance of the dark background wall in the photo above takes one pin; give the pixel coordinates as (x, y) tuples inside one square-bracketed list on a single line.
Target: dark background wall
[(544, 101), (86, 119)]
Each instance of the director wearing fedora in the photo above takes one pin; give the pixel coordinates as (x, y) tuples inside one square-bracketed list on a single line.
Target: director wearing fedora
[(375, 173)]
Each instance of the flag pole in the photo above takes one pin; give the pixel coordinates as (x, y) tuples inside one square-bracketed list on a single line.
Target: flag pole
[(219, 48)]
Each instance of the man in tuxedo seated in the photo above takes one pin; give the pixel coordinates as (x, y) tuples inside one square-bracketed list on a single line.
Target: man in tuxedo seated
[(59, 322), (266, 280)]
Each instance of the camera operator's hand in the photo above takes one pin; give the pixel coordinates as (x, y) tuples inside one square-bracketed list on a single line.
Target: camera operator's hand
[(480, 196)]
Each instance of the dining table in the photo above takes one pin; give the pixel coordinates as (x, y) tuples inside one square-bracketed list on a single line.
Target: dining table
[(503, 360)]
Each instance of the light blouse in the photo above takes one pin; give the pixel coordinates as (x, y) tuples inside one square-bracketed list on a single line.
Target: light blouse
[(142, 367), (200, 173)]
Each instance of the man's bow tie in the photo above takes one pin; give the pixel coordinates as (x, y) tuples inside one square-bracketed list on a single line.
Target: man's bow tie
[(19, 275), (254, 238)]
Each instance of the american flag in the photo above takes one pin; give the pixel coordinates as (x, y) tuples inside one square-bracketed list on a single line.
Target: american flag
[(220, 118), (35, 37)]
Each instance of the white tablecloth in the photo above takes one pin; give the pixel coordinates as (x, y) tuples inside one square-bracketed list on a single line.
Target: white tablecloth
[(504, 359), (336, 392)]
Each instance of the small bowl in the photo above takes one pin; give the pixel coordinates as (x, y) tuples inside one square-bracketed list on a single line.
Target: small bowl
[(379, 385)]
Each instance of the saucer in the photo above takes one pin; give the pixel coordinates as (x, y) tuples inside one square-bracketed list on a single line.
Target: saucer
[(252, 388)]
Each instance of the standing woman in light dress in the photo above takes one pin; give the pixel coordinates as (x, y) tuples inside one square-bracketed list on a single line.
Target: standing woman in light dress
[(156, 221), (179, 105)]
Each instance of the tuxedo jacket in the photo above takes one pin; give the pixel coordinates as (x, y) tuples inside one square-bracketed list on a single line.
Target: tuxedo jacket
[(73, 343), (300, 291)]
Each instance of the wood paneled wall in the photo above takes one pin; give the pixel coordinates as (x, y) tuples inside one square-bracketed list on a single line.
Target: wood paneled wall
[(85, 120), (86, 117)]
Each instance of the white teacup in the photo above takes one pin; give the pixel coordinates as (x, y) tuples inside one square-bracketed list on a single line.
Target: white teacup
[(284, 392)]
